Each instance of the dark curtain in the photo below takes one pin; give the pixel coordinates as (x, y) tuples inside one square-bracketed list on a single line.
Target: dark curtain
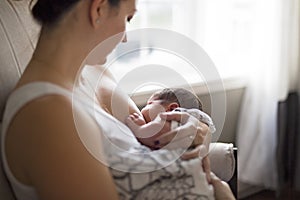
[(288, 129)]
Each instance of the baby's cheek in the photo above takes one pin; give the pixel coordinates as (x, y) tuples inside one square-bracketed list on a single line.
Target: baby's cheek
[(155, 111)]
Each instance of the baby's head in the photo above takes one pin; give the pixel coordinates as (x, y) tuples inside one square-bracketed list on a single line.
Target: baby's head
[(169, 99)]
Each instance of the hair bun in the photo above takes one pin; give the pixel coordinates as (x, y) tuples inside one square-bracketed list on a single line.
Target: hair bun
[(49, 11), (42, 12)]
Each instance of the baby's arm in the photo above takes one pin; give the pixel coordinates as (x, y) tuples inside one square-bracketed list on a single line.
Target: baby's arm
[(143, 130)]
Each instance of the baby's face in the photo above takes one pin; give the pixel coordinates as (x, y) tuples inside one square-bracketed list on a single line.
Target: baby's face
[(152, 109)]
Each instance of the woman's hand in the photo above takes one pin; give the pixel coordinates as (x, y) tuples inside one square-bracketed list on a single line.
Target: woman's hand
[(222, 190), (191, 132), (203, 137)]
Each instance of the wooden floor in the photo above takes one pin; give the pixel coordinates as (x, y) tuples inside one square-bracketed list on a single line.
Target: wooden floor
[(271, 195)]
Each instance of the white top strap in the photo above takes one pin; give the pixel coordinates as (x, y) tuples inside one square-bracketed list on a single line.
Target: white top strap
[(16, 101)]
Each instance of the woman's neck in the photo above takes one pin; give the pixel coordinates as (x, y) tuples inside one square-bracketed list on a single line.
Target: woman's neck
[(58, 58)]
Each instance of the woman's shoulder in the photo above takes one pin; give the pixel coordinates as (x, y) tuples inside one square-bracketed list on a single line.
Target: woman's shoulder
[(40, 111), (46, 115), (52, 142), (50, 108)]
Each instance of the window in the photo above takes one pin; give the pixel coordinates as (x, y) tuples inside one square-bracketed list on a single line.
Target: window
[(224, 29)]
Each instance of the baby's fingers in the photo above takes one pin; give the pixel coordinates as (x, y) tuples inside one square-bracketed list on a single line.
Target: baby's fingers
[(130, 122)]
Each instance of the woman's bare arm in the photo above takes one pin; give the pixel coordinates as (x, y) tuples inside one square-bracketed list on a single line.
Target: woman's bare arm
[(45, 150)]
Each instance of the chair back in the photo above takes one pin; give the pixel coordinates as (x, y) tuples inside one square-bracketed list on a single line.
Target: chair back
[(18, 36)]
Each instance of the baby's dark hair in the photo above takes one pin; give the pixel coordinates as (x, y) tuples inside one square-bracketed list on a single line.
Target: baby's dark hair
[(183, 97), (48, 12)]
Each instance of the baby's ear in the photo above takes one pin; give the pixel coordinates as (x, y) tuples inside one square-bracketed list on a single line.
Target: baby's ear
[(172, 106)]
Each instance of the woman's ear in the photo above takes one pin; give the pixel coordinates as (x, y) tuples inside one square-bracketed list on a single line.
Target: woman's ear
[(172, 106), (97, 10)]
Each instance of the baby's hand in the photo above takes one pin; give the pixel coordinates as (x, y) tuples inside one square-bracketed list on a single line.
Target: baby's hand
[(137, 119), (148, 132)]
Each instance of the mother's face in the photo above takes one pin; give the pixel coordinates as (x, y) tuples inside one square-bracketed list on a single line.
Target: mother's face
[(113, 26), (119, 16)]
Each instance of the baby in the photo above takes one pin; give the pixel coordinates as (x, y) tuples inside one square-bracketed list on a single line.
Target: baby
[(166, 100)]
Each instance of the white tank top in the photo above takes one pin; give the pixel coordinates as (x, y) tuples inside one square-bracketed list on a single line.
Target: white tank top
[(138, 172)]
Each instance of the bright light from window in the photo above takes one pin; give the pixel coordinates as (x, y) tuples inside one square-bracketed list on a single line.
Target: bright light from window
[(224, 29)]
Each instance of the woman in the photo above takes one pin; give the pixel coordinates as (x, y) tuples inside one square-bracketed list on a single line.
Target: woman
[(51, 139)]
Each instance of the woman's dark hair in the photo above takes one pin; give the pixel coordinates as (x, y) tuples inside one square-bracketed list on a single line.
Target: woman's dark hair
[(48, 12), (183, 97)]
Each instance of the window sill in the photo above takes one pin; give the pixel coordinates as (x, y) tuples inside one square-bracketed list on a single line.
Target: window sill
[(230, 83)]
